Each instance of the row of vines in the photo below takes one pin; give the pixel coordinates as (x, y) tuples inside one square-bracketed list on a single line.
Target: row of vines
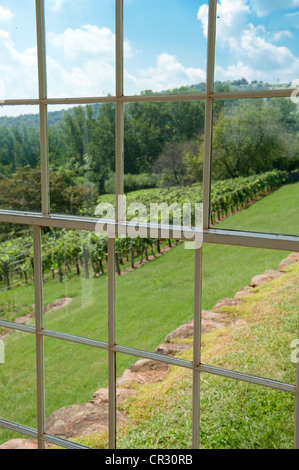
[(66, 253)]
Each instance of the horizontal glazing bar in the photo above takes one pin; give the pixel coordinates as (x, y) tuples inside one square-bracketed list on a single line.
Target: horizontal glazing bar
[(27, 431), (16, 326), (58, 441), (74, 339), (153, 356), (274, 384), (226, 237), (231, 95), (235, 95)]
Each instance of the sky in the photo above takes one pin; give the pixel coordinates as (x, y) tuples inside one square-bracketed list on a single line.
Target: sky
[(165, 45)]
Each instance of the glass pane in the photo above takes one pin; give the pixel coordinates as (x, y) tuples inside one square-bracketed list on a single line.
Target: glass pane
[(155, 297), (252, 302), (255, 166), (18, 382), (256, 45), (80, 48), (73, 374), (81, 155), (75, 285), (165, 49), (16, 274), (18, 70), (236, 415), (156, 401), (20, 186)]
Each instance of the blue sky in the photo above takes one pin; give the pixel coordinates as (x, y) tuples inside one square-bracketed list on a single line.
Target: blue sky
[(165, 44)]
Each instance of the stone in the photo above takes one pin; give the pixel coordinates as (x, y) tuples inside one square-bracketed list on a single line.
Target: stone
[(183, 331), (244, 292), (144, 371), (268, 276), (80, 420), (226, 302), (15, 444), (171, 349), (289, 260), (101, 396)]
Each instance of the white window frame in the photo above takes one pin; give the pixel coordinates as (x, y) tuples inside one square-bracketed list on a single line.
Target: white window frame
[(46, 219)]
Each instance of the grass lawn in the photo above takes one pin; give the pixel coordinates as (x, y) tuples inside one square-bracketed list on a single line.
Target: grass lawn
[(151, 301)]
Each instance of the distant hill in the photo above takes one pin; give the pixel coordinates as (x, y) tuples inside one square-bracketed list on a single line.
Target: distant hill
[(32, 120)]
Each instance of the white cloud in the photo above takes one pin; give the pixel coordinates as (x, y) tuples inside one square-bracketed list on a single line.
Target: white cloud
[(56, 5), (18, 70), (263, 8), (168, 73), (89, 40), (93, 78), (278, 35), (245, 50), (230, 16), (5, 14)]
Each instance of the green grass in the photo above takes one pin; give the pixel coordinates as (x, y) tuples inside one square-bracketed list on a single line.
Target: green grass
[(151, 301), (233, 415)]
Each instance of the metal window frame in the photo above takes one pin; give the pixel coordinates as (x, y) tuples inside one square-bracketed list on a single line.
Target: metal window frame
[(46, 219)]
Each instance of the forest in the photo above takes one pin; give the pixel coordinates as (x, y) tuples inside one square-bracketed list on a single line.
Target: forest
[(163, 147)]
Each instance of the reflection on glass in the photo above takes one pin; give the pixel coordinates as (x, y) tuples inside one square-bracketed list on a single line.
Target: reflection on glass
[(255, 165), (75, 376), (256, 45), (75, 282), (20, 184), (81, 155)]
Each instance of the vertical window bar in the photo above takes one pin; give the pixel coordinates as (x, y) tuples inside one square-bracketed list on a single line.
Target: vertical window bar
[(39, 325), (196, 346), (296, 436), (119, 118), (209, 113), (42, 84), (111, 344)]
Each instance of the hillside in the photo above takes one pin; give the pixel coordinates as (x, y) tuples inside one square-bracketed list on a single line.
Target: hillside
[(161, 303)]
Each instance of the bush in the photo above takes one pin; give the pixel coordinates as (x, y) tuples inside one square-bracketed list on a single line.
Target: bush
[(132, 182)]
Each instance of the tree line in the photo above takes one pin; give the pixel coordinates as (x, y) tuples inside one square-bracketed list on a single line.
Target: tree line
[(163, 146)]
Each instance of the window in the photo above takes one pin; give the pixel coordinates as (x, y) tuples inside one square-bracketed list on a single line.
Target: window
[(249, 112)]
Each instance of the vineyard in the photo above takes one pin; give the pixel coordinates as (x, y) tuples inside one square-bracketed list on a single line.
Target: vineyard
[(69, 252)]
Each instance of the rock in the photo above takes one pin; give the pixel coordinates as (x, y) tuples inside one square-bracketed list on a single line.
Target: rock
[(19, 444), (227, 302), (101, 395), (80, 420), (171, 349), (144, 371), (268, 276), (290, 259), (245, 291), (184, 331)]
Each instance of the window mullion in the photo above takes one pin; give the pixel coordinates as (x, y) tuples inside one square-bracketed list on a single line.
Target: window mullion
[(196, 346), (296, 436), (209, 113), (39, 325), (43, 109)]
